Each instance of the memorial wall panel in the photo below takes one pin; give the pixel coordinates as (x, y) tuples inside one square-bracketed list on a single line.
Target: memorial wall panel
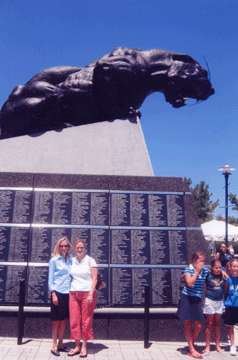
[(140, 230), (10, 276)]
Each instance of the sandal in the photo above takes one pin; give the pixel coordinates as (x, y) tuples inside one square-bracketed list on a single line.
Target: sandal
[(55, 352), (195, 356), (73, 352), (83, 355), (64, 349)]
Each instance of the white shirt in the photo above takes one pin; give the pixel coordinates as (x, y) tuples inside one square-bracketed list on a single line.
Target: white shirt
[(81, 273)]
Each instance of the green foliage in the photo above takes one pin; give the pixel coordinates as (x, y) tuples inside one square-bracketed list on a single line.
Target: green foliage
[(231, 219), (234, 201), (202, 200)]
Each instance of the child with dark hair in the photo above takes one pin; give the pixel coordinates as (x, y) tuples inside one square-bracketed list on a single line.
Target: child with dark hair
[(214, 304), (190, 304)]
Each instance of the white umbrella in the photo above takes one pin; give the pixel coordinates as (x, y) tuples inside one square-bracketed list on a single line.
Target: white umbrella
[(214, 230)]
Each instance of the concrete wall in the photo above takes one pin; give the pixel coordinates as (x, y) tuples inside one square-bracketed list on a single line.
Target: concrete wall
[(107, 148)]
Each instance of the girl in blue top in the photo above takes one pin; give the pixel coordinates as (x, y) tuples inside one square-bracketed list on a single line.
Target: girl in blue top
[(214, 303), (231, 302), (59, 285), (190, 304)]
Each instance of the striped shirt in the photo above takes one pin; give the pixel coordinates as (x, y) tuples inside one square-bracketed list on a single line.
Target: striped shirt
[(197, 288)]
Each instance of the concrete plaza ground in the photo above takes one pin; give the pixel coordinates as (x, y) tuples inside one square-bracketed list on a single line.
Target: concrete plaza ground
[(39, 349)]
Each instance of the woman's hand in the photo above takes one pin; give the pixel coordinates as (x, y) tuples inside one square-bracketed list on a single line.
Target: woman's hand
[(199, 266), (94, 273), (90, 299), (54, 298)]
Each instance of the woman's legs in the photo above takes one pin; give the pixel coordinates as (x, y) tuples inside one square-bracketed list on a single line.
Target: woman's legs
[(87, 321), (75, 319), (217, 332), (81, 313), (75, 315), (58, 328), (58, 311), (191, 335), (55, 330), (77, 345), (208, 332), (62, 326), (84, 347)]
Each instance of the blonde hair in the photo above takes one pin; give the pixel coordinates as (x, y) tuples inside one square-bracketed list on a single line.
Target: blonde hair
[(232, 261), (57, 246)]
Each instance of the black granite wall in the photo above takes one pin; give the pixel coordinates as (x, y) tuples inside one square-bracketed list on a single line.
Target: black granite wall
[(141, 231)]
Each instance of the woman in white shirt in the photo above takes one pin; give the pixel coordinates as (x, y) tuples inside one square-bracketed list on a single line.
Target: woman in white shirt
[(82, 298)]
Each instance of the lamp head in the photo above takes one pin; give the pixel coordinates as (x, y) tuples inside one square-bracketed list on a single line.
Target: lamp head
[(226, 169)]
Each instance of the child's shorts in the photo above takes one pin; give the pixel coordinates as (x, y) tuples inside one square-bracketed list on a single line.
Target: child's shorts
[(190, 308), (231, 316), (213, 307)]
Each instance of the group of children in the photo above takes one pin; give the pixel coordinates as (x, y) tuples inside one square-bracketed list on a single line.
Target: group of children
[(219, 285)]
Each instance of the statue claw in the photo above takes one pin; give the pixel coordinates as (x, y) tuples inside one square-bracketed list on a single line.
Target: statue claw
[(134, 112)]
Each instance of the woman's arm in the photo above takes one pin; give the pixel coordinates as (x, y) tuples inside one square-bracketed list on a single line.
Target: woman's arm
[(51, 282), (225, 275), (94, 273), (225, 290), (190, 279), (51, 275)]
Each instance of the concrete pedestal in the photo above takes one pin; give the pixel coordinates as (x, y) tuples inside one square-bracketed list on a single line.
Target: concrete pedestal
[(107, 148)]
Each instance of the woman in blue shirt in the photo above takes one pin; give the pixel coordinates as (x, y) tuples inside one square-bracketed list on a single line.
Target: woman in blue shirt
[(59, 284)]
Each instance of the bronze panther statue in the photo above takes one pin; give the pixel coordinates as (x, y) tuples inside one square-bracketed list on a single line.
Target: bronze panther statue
[(113, 86)]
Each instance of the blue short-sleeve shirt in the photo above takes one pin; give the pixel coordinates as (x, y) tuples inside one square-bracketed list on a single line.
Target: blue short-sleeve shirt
[(232, 294)]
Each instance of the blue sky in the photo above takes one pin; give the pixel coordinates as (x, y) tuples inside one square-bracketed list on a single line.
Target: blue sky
[(193, 141)]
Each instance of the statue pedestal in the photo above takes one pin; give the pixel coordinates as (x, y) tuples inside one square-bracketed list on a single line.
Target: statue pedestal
[(107, 148)]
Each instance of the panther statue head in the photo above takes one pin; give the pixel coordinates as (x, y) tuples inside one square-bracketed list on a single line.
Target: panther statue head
[(187, 79)]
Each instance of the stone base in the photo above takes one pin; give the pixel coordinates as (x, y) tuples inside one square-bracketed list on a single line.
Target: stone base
[(109, 327), (108, 148)]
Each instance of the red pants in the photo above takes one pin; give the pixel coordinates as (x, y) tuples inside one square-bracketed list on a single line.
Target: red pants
[(81, 315)]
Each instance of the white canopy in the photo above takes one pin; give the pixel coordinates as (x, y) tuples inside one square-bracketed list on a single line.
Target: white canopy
[(214, 230)]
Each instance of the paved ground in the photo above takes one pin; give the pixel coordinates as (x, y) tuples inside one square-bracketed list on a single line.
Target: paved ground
[(39, 349)]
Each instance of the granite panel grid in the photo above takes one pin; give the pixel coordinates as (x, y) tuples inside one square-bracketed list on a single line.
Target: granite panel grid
[(140, 230)]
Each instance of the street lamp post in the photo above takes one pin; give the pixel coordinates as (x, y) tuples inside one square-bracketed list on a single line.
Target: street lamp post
[(226, 172)]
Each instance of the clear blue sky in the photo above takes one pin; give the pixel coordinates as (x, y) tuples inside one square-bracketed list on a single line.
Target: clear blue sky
[(193, 141)]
